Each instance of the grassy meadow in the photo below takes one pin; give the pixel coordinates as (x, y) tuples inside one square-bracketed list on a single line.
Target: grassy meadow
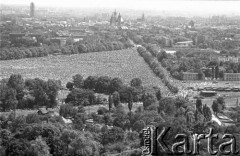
[(125, 64)]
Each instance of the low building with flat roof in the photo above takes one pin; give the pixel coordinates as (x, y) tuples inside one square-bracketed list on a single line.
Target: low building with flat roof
[(190, 76), (232, 76), (185, 44), (229, 58), (208, 93)]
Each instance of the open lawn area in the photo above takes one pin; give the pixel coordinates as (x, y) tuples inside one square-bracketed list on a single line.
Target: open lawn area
[(125, 64)]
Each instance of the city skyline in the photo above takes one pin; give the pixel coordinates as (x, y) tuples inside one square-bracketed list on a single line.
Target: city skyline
[(196, 7)]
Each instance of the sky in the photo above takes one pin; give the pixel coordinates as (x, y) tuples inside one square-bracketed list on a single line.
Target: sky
[(196, 6)]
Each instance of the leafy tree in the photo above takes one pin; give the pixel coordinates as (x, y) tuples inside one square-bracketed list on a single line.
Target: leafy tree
[(17, 147), (90, 82), (116, 98), (110, 102), (167, 105), (218, 105), (112, 135), (207, 113), (162, 55), (201, 75), (199, 105), (158, 94), (5, 137), (115, 85), (16, 82), (136, 82), (79, 120), (199, 117), (10, 101), (2, 151), (102, 110), (103, 84), (52, 92), (41, 97), (120, 116), (130, 102), (138, 126), (107, 119), (69, 86), (78, 81), (82, 48), (190, 118), (84, 145), (32, 118), (217, 72), (149, 99), (81, 97), (221, 101), (39, 147), (67, 111), (215, 107)]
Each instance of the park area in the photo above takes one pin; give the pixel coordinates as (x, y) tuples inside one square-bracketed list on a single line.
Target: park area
[(125, 64)]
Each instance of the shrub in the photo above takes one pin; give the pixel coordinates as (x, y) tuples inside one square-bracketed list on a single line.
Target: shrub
[(32, 118), (102, 110), (138, 125)]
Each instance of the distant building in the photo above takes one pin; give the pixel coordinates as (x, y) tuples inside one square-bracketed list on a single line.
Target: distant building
[(167, 41), (208, 93), (229, 58), (32, 9), (116, 20), (172, 52), (190, 76), (59, 40), (142, 19), (7, 12), (232, 76), (185, 44)]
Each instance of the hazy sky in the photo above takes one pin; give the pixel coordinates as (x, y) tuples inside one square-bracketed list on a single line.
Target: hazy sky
[(197, 6)]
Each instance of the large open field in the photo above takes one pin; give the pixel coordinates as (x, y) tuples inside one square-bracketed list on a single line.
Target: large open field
[(125, 64)]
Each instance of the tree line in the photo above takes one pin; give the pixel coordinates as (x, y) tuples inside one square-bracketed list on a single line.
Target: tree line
[(78, 47), (83, 90), (156, 66)]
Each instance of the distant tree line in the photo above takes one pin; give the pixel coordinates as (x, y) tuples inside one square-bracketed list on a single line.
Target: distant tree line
[(78, 47), (28, 52)]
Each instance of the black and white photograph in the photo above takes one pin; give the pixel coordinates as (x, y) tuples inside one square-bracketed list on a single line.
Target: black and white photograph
[(119, 77)]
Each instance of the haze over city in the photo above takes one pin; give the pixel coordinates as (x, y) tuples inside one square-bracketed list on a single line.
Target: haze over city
[(173, 7), (113, 77)]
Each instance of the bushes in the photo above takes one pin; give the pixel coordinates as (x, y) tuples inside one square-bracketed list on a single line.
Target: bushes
[(102, 110), (32, 118), (81, 97), (112, 135), (67, 111), (138, 126)]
